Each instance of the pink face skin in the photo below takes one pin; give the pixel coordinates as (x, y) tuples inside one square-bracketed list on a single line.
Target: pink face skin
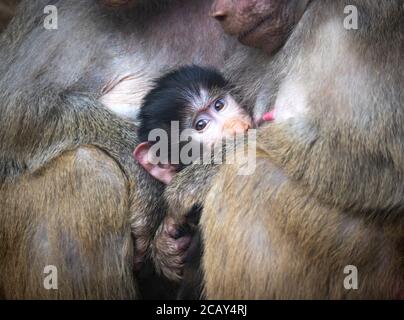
[(214, 119), (221, 118)]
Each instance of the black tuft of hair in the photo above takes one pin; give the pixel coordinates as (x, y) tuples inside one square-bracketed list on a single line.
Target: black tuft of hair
[(169, 99)]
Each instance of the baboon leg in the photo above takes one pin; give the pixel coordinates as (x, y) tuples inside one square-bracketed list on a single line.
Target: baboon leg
[(62, 218)]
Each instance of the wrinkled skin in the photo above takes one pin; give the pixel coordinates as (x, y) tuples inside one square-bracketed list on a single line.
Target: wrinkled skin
[(264, 24)]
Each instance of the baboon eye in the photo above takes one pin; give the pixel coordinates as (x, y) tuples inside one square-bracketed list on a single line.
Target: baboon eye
[(219, 104), (201, 124)]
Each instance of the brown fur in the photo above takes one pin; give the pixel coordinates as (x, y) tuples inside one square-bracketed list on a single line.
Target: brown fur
[(281, 243), (52, 235)]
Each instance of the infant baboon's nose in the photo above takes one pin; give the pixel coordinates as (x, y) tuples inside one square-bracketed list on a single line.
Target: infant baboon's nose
[(236, 127)]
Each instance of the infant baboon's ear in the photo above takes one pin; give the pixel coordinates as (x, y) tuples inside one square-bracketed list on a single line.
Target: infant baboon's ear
[(162, 172)]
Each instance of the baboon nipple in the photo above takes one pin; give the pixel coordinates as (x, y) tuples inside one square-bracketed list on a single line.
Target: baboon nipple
[(269, 116)]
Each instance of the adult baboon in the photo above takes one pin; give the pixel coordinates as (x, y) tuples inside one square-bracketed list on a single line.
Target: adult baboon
[(326, 198), (71, 195)]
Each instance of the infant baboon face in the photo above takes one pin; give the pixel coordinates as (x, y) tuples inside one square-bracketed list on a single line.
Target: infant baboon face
[(197, 102), (219, 118)]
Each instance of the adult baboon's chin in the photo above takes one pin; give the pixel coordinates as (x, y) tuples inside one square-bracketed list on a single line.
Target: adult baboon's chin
[(264, 24)]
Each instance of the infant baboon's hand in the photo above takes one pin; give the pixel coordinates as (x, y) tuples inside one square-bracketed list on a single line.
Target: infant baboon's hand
[(170, 248)]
